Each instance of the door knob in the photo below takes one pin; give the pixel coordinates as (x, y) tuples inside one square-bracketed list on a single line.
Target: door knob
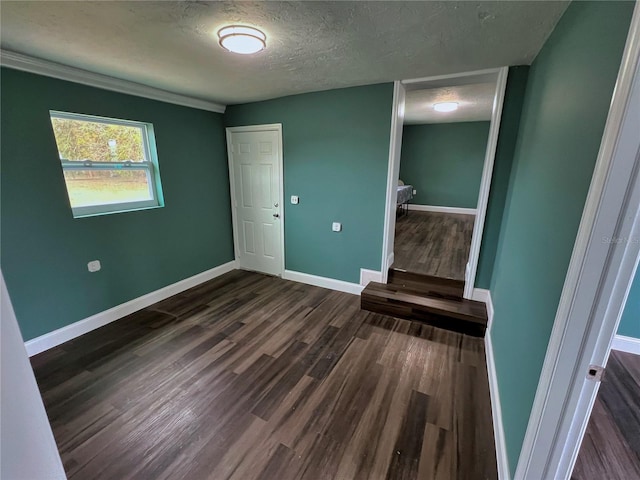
[(276, 215)]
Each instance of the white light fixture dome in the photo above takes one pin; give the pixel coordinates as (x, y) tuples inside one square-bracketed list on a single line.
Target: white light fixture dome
[(243, 40), (445, 106)]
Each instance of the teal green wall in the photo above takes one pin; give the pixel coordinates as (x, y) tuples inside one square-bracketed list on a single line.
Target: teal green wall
[(45, 250), (444, 162), (630, 321), (336, 152), (566, 103), (509, 124)]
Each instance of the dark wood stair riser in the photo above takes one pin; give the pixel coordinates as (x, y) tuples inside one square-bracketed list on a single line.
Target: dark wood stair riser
[(427, 284), (374, 304), (458, 315)]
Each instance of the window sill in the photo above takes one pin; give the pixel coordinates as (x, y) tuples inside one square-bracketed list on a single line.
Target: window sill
[(115, 212)]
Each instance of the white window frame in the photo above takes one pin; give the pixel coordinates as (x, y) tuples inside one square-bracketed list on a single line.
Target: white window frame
[(149, 166)]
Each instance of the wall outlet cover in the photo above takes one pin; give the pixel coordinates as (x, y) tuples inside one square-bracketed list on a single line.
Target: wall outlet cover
[(336, 227), (94, 266), (294, 199)]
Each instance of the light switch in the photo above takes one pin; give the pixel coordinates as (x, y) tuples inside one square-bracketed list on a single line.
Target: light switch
[(415, 191), (294, 199), (337, 227), (94, 266)]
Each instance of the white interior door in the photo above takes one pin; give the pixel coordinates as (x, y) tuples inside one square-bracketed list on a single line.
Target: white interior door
[(255, 166)]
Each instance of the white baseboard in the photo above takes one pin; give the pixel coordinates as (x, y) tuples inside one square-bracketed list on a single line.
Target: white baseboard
[(496, 412), (64, 334), (324, 282), (482, 295), (367, 276), (626, 344), (438, 209), (390, 259)]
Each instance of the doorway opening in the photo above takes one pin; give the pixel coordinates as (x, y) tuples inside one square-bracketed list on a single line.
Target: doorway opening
[(440, 168), (444, 137)]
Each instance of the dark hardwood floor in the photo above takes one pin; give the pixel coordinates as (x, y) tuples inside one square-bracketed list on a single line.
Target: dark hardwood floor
[(434, 244), (611, 446), (253, 377)]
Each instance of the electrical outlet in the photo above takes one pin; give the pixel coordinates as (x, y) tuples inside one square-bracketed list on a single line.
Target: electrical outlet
[(415, 191), (294, 200), (336, 227), (94, 266)]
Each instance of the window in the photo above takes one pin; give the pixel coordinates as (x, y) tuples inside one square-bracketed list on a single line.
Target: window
[(109, 165)]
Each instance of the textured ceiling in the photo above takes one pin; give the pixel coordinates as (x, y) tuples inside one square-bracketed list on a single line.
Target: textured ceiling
[(311, 45), (475, 104)]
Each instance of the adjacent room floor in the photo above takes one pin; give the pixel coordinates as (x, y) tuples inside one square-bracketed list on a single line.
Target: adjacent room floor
[(254, 377), (611, 446), (434, 244)]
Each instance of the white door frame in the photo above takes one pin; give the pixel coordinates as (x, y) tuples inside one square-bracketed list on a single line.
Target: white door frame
[(602, 267), (277, 127), (28, 447), (393, 173), (499, 75)]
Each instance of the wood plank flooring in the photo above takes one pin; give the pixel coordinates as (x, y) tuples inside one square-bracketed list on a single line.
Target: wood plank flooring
[(433, 243), (254, 377), (611, 446)]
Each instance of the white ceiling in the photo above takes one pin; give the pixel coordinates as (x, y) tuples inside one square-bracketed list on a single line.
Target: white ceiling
[(311, 45), (475, 103)]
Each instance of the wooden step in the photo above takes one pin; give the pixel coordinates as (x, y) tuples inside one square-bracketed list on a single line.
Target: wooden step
[(459, 315), (427, 284)]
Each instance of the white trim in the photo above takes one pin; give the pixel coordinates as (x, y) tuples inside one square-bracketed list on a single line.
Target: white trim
[(232, 186), (453, 79), (323, 282), (499, 75), (626, 344), (64, 334), (485, 183), (393, 172), (496, 411), (367, 276), (596, 286), (28, 447), (482, 295), (263, 127), (390, 259), (439, 209), (26, 63)]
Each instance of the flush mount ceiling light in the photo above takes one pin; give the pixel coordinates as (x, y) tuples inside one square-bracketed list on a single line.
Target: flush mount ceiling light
[(243, 40), (445, 106)]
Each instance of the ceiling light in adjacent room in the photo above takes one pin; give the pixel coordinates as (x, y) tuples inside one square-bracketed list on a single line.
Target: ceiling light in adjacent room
[(243, 40), (445, 106)]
